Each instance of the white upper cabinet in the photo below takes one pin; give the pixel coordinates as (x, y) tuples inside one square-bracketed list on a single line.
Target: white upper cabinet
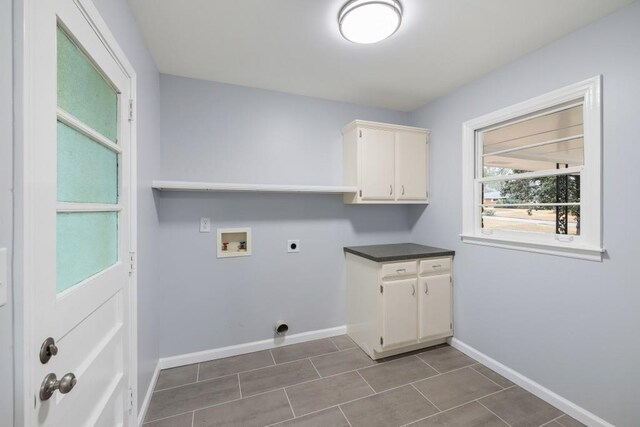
[(377, 160), (411, 165), (386, 163)]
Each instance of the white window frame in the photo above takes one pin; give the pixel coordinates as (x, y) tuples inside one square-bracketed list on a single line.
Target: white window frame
[(586, 246)]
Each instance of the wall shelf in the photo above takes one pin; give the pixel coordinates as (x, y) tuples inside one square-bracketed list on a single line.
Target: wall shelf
[(267, 188)]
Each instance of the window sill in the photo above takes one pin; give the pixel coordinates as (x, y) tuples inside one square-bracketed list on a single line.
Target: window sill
[(590, 253)]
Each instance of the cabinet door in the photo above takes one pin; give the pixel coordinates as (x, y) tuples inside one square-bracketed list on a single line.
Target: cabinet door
[(399, 312), (377, 164), (411, 166), (435, 306)]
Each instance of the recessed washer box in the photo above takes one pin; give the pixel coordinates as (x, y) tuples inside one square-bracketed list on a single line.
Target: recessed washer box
[(233, 242)]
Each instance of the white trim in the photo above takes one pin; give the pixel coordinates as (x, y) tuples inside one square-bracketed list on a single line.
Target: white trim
[(268, 188), (383, 126), (147, 396), (565, 405), (589, 244), (71, 121), (579, 252), (88, 207), (250, 347)]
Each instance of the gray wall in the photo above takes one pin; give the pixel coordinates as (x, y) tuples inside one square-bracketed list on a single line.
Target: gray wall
[(119, 18), (219, 132), (6, 205), (568, 324)]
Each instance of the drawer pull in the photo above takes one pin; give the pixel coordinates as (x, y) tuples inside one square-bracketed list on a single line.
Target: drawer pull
[(436, 266), (401, 270), (413, 289), (426, 288)]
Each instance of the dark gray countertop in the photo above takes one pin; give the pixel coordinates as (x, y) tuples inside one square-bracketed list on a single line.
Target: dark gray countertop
[(397, 252)]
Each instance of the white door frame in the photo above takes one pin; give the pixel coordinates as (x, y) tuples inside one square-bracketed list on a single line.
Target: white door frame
[(25, 127)]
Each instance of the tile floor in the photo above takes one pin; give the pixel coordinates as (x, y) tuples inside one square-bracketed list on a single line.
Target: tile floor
[(331, 382)]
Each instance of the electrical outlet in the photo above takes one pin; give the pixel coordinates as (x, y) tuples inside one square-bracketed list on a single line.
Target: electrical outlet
[(205, 225), (293, 246)]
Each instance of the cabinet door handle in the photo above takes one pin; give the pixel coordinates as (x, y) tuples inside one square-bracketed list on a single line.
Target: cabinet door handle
[(403, 189), (426, 288), (390, 189), (413, 289)]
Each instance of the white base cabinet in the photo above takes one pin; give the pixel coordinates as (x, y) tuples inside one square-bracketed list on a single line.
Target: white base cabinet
[(398, 306)]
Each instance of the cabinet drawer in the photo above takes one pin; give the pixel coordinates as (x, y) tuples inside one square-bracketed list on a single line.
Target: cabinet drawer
[(435, 265), (398, 269)]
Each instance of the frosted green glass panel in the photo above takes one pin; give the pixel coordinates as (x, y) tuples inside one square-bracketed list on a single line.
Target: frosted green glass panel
[(83, 92), (87, 243), (87, 170)]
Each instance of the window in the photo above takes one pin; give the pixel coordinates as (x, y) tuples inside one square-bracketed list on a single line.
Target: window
[(532, 174)]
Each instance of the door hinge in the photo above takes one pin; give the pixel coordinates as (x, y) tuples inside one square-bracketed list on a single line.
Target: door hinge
[(381, 289), (381, 341), (131, 110), (132, 262), (130, 399)]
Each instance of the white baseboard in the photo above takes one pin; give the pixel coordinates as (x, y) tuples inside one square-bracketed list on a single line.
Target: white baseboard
[(532, 387), (147, 396), (234, 350)]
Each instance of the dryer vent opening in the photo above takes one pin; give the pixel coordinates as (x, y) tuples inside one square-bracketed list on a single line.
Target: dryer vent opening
[(281, 327)]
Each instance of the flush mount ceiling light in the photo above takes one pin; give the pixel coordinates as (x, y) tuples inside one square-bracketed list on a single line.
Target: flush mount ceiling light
[(369, 21)]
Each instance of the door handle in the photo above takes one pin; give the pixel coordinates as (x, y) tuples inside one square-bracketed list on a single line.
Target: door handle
[(403, 189), (426, 288), (390, 189), (51, 384), (413, 289)]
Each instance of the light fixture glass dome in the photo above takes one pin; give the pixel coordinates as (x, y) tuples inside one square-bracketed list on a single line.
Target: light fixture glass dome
[(369, 21)]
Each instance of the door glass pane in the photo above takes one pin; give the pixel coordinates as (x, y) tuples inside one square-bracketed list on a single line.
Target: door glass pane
[(83, 92), (87, 243), (87, 170)]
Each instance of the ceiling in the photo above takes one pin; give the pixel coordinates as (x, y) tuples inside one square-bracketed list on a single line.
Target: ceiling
[(294, 46)]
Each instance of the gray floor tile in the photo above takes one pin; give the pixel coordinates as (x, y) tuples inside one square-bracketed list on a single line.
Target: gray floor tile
[(520, 408), (343, 342), (568, 421), (278, 376), (343, 361), (553, 424), (258, 411), (493, 376), (235, 364), (174, 377), (288, 353), (190, 397), (445, 359), (470, 415), (396, 373), (456, 388), (320, 394), (391, 408), (183, 420), (331, 417)]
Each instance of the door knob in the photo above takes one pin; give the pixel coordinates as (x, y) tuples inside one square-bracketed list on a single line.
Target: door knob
[(47, 350), (51, 384)]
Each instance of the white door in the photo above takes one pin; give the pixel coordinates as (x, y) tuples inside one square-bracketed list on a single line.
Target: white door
[(435, 306), (399, 312), (79, 223), (411, 165), (377, 164)]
